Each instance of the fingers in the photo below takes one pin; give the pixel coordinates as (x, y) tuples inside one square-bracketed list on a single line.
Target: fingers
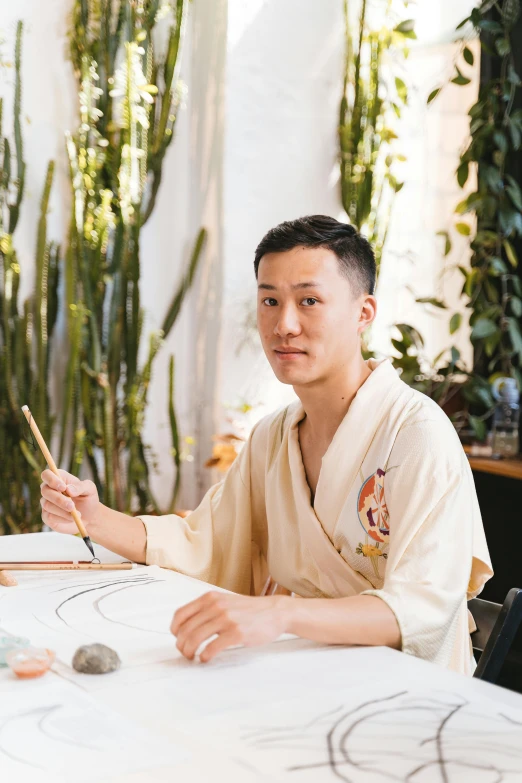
[(56, 511), (223, 641), (81, 488), (56, 499), (187, 611), (201, 619), (191, 626), (189, 643), (67, 483), (53, 481), (58, 523)]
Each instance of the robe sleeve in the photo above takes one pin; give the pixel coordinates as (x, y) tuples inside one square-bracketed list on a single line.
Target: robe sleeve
[(216, 541), (437, 557)]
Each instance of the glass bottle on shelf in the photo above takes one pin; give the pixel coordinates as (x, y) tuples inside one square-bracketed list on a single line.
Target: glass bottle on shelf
[(505, 439)]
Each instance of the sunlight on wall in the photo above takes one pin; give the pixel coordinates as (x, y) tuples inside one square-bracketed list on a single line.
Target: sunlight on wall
[(413, 266), (281, 161)]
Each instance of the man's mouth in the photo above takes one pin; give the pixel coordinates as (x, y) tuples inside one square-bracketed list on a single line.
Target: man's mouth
[(288, 353)]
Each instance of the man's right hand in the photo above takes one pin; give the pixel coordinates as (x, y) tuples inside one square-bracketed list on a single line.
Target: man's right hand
[(61, 495)]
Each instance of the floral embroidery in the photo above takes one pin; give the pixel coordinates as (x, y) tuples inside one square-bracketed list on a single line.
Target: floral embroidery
[(368, 550), (375, 520), (372, 509)]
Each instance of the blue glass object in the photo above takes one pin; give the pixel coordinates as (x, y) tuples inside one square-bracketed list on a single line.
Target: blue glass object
[(8, 643)]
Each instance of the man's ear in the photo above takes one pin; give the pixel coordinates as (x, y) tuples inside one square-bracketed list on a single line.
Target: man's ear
[(367, 313)]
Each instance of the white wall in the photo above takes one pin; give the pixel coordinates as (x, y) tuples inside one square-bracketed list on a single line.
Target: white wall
[(283, 87), (284, 76), (413, 265)]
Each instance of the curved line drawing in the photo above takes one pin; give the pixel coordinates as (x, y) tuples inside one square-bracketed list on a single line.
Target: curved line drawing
[(97, 603), (91, 590), (347, 745), (136, 578), (46, 711), (42, 727)]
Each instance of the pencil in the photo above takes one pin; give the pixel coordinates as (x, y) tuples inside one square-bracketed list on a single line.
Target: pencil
[(52, 465), (66, 566)]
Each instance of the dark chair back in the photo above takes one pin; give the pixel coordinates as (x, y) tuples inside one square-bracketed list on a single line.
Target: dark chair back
[(497, 626)]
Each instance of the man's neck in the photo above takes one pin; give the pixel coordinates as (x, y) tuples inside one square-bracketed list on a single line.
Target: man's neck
[(327, 405)]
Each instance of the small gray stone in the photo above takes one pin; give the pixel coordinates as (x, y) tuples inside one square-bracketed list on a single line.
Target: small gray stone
[(95, 659)]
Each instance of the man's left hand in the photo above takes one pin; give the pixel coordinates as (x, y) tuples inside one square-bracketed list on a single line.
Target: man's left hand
[(235, 619)]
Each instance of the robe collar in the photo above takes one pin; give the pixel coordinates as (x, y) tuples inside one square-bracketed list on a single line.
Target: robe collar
[(349, 445)]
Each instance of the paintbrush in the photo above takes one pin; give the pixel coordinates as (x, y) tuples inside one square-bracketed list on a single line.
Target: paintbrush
[(65, 565), (52, 465)]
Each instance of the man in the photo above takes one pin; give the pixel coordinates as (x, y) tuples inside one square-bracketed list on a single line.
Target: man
[(358, 498)]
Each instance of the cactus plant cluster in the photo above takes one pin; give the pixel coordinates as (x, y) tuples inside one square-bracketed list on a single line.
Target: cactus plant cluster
[(25, 332), (130, 93)]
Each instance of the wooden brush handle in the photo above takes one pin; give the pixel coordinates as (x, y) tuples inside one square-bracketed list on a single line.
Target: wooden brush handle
[(66, 566), (52, 464)]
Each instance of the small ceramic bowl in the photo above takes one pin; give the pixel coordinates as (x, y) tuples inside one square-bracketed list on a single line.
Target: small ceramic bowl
[(30, 662), (8, 643)]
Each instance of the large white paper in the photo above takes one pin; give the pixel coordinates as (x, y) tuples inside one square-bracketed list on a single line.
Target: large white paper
[(130, 611), (52, 732), (375, 734)]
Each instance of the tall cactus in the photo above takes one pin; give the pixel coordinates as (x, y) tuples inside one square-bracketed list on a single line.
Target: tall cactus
[(129, 94), (25, 333)]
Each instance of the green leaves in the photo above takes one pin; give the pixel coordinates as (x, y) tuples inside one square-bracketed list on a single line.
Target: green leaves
[(501, 141), (410, 336), (498, 266), (463, 173), (406, 29), (460, 78), (515, 335), (479, 427), (402, 90), (510, 12), (463, 229), (455, 322), (502, 46), (510, 253), (447, 242), (468, 55), (514, 132), (407, 26), (516, 306), (492, 285), (483, 327), (514, 193), (432, 301)]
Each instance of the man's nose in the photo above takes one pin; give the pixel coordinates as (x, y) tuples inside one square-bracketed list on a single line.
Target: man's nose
[(288, 322)]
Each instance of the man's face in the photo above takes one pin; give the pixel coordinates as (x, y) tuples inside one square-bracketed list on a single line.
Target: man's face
[(308, 317)]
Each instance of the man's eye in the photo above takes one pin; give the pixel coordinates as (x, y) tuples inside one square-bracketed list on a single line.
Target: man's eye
[(270, 302), (309, 301)]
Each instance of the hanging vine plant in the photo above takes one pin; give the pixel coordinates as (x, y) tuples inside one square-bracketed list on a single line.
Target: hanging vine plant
[(492, 287)]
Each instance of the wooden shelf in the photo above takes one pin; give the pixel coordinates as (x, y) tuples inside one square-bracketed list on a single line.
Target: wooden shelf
[(510, 468)]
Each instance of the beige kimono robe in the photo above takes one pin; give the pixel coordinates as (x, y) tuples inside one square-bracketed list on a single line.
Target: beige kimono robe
[(395, 515)]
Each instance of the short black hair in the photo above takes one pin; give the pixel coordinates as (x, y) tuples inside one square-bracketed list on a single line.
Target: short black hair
[(354, 252)]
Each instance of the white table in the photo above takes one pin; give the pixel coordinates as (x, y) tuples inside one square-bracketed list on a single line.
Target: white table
[(258, 715)]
